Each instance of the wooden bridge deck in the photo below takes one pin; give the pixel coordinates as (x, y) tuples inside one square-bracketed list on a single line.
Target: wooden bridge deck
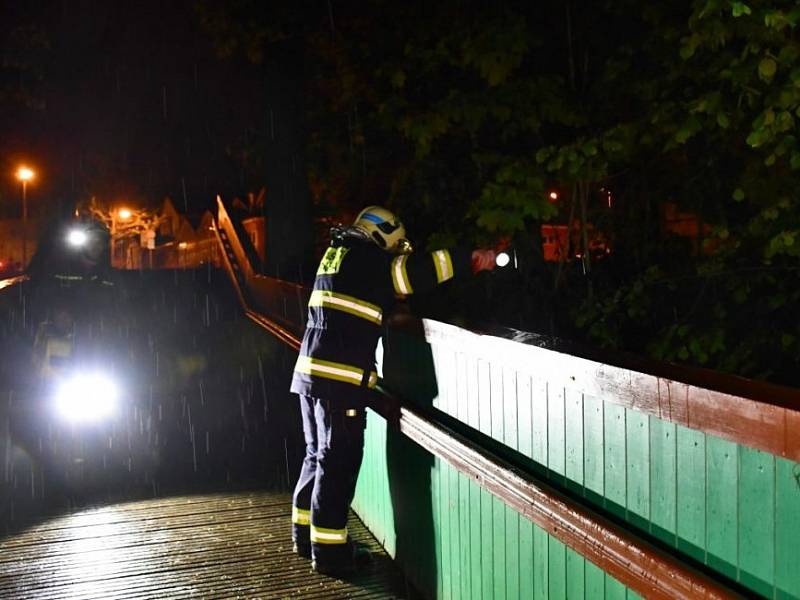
[(210, 546)]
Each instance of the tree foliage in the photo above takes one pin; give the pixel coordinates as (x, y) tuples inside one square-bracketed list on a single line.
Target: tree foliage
[(463, 116)]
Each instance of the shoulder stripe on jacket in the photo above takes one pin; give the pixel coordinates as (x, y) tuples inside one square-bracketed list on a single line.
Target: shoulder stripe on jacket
[(400, 280)]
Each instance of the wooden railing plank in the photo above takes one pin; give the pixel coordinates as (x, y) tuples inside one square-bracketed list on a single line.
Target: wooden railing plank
[(764, 416)]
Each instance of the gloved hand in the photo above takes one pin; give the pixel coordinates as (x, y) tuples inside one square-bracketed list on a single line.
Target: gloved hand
[(483, 260)]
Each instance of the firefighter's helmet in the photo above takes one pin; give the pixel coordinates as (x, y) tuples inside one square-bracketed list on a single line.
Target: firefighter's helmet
[(383, 228)]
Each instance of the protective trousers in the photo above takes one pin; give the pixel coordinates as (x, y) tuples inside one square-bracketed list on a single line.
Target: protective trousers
[(334, 436)]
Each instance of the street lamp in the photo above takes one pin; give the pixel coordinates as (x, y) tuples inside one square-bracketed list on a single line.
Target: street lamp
[(122, 214), (24, 174)]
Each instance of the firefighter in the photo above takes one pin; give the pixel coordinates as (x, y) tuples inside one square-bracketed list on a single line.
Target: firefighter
[(367, 266)]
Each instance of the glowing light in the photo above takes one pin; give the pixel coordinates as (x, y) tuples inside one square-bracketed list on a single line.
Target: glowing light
[(25, 174), (182, 245), (502, 259), (77, 238), (4, 283), (87, 397), (124, 213), (553, 195)]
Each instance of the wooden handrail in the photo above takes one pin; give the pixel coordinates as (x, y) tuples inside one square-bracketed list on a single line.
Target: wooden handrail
[(224, 222), (638, 564)]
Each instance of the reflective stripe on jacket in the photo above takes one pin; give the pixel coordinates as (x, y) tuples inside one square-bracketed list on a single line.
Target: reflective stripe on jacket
[(356, 283)]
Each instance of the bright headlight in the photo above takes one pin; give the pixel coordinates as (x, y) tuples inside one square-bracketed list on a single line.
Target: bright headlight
[(87, 397), (77, 238), (502, 259)]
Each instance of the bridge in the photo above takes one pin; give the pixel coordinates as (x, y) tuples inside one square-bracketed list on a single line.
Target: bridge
[(498, 464)]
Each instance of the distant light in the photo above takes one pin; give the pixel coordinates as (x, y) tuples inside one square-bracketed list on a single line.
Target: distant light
[(25, 174), (553, 195), (87, 397), (182, 245), (77, 238), (502, 259), (124, 213)]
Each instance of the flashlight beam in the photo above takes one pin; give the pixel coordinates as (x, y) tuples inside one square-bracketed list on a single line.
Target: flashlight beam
[(86, 397)]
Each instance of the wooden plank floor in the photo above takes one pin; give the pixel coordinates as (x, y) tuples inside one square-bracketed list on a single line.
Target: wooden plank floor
[(210, 546)]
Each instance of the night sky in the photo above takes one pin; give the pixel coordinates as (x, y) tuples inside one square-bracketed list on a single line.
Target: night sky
[(122, 100)]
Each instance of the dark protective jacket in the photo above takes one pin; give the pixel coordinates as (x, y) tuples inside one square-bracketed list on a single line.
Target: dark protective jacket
[(356, 283)]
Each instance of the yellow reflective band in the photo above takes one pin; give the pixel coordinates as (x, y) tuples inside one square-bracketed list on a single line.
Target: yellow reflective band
[(300, 516), (330, 263), (320, 535), (443, 264), (348, 304), (334, 370), (351, 412), (400, 276)]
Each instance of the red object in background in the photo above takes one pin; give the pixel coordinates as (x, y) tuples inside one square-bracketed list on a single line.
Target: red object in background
[(483, 260), (555, 242)]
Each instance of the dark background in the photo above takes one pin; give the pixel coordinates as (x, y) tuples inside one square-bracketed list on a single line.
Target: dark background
[(125, 101)]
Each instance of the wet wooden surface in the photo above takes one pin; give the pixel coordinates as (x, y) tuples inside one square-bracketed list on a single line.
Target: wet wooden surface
[(208, 546)]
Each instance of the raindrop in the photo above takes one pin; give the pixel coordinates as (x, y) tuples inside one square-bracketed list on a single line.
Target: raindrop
[(194, 449)]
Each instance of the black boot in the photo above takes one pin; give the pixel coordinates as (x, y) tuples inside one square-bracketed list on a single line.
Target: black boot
[(352, 559), (302, 549)]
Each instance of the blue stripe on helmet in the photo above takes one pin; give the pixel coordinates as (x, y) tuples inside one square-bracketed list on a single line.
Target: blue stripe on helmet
[(370, 217)]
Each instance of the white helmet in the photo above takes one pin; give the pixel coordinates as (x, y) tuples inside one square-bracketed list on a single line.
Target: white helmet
[(383, 228)]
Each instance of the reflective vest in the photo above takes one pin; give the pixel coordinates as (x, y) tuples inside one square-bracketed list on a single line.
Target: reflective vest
[(356, 283)]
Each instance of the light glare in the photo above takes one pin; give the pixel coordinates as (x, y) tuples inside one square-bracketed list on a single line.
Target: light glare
[(502, 259), (24, 174), (87, 397), (77, 238)]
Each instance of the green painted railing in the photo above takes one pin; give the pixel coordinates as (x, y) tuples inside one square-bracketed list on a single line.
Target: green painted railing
[(729, 507), (456, 540)]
